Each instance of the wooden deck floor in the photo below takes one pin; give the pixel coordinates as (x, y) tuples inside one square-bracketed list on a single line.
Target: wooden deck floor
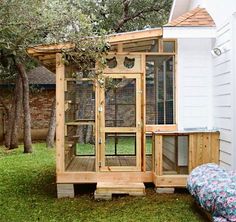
[(79, 163)]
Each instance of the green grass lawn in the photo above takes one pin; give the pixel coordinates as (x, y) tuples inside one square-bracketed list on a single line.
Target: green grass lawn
[(28, 193)]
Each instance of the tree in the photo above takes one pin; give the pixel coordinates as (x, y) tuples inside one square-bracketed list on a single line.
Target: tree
[(127, 15), (52, 126), (29, 22), (17, 104)]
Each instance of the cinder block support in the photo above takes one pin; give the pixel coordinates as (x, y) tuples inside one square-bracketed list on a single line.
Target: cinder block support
[(165, 190), (65, 190), (103, 196)]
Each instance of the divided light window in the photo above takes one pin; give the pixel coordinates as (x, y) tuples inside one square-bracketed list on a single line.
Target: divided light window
[(160, 90)]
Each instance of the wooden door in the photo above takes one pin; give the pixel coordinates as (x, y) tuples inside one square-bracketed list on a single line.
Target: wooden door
[(119, 114)]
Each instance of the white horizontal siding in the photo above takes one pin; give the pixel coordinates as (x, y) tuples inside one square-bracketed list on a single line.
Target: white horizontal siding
[(194, 83), (223, 83)]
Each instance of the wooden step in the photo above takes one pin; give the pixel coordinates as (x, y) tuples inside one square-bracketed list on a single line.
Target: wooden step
[(105, 189)]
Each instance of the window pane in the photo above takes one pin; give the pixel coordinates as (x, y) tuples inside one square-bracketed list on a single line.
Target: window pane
[(159, 90)]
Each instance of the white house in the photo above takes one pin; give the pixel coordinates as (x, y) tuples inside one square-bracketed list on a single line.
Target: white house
[(207, 83)]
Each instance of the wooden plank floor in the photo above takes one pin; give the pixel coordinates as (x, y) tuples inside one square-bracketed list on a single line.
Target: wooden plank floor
[(80, 163)]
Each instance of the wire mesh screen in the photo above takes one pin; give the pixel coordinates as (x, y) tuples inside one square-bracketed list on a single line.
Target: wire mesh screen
[(120, 107), (120, 149), (148, 152), (83, 137), (159, 90), (175, 155), (80, 99)]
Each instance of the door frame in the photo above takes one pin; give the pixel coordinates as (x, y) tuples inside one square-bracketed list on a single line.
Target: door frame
[(103, 129)]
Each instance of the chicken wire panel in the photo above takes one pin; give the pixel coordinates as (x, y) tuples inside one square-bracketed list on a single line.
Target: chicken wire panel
[(159, 90), (120, 107), (80, 99), (120, 149), (83, 139)]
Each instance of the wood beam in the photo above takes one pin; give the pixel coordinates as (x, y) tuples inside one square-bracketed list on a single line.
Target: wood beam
[(52, 48), (122, 37)]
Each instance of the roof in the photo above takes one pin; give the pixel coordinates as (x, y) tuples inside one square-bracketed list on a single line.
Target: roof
[(193, 18), (41, 76), (37, 76), (46, 54), (179, 7)]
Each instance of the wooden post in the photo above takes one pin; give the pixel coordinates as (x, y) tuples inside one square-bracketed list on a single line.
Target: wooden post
[(143, 117), (159, 147), (60, 119)]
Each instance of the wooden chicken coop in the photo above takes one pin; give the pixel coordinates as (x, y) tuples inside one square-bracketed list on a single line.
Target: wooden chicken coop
[(123, 136)]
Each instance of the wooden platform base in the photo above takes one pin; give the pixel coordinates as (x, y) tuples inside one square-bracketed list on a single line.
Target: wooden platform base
[(87, 163), (105, 190)]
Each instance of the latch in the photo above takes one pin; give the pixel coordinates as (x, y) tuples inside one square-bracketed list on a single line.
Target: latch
[(100, 141), (100, 109)]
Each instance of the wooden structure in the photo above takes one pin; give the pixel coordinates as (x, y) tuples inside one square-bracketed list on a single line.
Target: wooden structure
[(126, 134)]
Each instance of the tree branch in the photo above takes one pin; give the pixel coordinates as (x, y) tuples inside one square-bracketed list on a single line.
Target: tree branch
[(126, 17)]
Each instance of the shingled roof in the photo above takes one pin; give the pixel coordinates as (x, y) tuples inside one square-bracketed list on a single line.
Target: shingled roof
[(194, 18), (41, 76)]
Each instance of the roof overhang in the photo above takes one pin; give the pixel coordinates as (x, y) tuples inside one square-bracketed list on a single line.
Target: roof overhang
[(189, 32), (46, 54), (178, 8), (136, 35)]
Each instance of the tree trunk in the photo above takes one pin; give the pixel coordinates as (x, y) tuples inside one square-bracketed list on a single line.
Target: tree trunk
[(52, 126), (10, 115), (17, 111), (26, 109)]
